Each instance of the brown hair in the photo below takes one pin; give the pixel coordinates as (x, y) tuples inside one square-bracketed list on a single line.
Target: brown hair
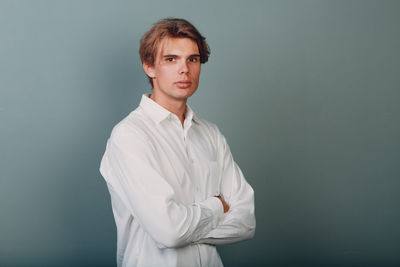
[(175, 28)]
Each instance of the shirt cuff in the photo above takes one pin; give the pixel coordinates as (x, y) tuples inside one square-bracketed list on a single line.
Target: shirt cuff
[(215, 205)]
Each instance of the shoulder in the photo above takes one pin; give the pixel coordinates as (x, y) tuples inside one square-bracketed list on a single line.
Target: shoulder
[(210, 129), (206, 125), (131, 128)]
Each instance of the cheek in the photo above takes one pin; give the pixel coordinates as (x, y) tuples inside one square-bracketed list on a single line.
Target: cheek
[(166, 71), (196, 71)]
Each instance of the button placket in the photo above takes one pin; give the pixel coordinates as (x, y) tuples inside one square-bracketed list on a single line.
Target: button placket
[(191, 161)]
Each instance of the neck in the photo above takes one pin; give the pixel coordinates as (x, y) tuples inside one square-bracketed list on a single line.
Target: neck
[(178, 107)]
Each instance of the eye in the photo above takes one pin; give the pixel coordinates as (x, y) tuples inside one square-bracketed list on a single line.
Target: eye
[(170, 59), (193, 59)]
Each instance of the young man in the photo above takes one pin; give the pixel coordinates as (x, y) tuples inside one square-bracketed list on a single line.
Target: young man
[(176, 191)]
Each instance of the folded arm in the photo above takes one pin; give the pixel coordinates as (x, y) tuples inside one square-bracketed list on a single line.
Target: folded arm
[(239, 222)]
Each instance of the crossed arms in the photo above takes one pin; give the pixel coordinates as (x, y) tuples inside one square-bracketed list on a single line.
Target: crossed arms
[(130, 168)]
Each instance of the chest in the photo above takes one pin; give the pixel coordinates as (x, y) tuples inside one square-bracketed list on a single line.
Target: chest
[(187, 160)]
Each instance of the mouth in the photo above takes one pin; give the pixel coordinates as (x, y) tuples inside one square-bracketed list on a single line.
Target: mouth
[(183, 84)]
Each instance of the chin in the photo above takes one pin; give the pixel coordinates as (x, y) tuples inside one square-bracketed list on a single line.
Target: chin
[(184, 95), (181, 97)]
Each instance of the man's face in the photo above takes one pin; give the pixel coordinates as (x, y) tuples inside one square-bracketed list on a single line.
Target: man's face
[(176, 69)]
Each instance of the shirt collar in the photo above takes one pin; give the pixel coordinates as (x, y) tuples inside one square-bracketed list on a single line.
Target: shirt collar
[(159, 113)]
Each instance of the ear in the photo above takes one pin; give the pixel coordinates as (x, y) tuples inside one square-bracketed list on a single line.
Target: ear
[(149, 70)]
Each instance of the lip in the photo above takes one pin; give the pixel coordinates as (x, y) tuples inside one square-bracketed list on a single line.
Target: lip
[(183, 84)]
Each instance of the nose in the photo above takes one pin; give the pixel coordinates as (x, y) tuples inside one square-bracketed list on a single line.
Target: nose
[(183, 68)]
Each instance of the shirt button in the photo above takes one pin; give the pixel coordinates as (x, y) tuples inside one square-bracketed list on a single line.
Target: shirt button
[(219, 219), (192, 161), (197, 188)]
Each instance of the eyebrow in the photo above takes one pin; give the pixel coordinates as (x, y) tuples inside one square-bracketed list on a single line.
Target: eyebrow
[(176, 56)]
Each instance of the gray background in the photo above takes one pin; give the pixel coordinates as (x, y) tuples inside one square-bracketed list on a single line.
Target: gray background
[(306, 92)]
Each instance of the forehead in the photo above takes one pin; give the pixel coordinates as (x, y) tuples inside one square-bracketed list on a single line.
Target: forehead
[(177, 46)]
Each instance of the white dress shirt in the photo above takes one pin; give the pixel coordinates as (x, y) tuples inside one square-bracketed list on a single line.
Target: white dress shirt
[(163, 179)]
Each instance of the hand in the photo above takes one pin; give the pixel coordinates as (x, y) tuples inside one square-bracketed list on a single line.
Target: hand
[(224, 204)]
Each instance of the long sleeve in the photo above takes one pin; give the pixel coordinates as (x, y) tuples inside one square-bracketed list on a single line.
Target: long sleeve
[(130, 165), (239, 222)]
